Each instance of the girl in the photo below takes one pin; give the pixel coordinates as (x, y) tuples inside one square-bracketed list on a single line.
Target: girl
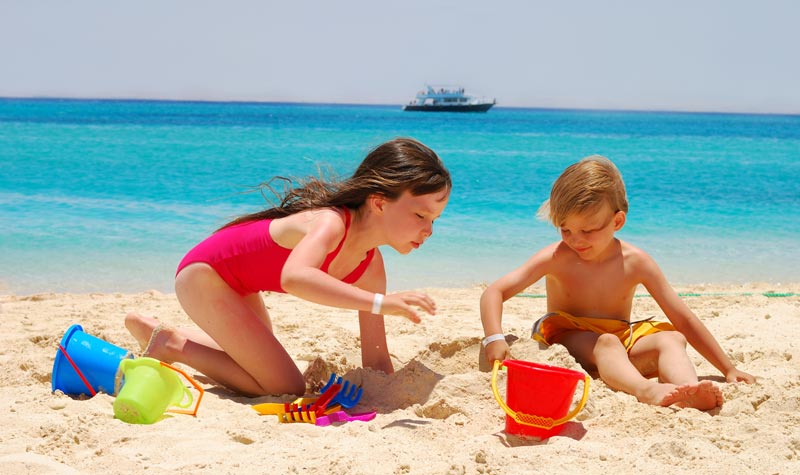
[(320, 244)]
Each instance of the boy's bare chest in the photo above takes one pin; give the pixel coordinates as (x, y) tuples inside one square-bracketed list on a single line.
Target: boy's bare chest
[(592, 290)]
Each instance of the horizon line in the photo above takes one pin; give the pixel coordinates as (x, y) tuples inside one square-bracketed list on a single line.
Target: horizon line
[(382, 105)]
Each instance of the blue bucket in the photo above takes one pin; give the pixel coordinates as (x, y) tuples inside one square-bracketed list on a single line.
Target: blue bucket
[(85, 364)]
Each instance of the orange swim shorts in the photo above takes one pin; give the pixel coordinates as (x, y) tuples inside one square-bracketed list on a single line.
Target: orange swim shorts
[(548, 328)]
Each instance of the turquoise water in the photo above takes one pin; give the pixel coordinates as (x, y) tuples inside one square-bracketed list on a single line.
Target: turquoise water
[(109, 195)]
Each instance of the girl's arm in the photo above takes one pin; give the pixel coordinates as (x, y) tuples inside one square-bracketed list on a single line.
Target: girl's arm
[(686, 322), (374, 350), (303, 278)]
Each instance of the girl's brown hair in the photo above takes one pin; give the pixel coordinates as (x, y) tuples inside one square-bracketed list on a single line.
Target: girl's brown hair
[(388, 170)]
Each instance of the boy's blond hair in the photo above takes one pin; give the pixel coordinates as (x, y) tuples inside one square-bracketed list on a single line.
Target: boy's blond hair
[(582, 187)]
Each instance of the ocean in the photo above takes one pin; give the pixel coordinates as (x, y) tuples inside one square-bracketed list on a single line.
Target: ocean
[(108, 195)]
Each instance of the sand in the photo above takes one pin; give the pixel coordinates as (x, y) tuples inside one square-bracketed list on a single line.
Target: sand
[(436, 413)]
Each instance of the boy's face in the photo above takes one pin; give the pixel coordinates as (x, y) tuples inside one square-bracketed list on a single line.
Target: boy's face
[(590, 233)]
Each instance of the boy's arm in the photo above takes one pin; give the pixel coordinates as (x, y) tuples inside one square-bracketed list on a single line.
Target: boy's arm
[(503, 289), (686, 322)]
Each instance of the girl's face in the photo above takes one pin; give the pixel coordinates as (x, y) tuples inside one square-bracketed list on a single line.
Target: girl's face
[(590, 233), (409, 220)]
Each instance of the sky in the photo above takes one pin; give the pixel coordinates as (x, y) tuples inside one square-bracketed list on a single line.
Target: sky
[(683, 55)]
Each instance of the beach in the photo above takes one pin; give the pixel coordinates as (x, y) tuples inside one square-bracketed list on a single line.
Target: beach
[(435, 415), (130, 134)]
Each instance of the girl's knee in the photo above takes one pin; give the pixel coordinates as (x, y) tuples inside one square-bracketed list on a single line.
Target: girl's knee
[(293, 384), (298, 389)]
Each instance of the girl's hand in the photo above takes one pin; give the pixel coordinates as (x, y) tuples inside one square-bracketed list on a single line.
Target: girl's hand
[(402, 303), (736, 376), (497, 351)]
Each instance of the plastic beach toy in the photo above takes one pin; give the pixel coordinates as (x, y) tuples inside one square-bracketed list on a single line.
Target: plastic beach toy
[(539, 397), (310, 413), (322, 410), (347, 396), (85, 364), (150, 388), (275, 408), (341, 416)]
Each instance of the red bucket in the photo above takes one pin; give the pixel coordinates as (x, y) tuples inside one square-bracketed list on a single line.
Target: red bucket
[(538, 397)]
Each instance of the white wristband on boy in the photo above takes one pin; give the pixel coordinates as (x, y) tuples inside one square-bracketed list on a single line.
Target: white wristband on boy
[(377, 303), (491, 338)]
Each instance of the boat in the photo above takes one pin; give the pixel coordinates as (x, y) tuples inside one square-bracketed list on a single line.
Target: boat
[(448, 99)]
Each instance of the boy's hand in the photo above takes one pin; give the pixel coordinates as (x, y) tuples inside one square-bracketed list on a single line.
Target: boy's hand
[(497, 350), (737, 376)]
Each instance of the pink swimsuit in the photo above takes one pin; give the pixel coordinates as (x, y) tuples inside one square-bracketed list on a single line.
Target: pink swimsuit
[(247, 258)]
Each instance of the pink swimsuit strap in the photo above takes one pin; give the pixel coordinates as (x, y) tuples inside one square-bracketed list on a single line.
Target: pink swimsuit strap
[(362, 266), (330, 257)]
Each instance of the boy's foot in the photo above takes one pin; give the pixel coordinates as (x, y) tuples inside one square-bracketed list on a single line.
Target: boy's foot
[(703, 395)]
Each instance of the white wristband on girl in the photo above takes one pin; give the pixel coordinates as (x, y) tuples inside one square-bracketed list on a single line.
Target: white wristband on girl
[(491, 338), (377, 303)]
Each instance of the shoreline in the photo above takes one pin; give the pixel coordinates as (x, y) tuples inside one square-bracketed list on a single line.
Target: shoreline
[(536, 291), (438, 402), (401, 283)]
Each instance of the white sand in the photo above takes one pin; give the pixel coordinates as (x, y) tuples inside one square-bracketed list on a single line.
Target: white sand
[(436, 414)]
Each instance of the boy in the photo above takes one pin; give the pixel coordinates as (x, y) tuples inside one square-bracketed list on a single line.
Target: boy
[(591, 277)]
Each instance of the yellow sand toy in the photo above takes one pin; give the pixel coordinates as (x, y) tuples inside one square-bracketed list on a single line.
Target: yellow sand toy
[(335, 395)]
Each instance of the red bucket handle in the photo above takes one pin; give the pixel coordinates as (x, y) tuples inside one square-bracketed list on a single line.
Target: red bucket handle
[(75, 367)]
